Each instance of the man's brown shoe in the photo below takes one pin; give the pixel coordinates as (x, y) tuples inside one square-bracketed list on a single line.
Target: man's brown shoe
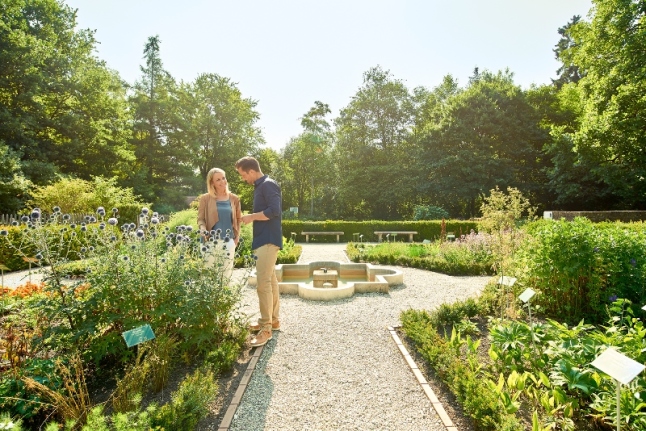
[(275, 326), (261, 338)]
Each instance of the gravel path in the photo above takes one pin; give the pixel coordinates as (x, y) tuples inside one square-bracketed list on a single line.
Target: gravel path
[(334, 365)]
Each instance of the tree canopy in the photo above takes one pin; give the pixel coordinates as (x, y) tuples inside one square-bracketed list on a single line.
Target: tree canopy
[(577, 143)]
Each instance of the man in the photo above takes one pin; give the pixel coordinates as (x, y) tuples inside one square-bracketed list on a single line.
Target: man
[(267, 242)]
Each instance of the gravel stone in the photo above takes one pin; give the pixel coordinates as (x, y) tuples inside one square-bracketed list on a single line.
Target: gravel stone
[(334, 364)]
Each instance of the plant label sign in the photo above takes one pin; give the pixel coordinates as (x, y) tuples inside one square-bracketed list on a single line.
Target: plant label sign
[(526, 295), (618, 366), (138, 335), (507, 281)]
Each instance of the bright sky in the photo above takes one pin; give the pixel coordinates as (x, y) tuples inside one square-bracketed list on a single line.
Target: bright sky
[(286, 54)]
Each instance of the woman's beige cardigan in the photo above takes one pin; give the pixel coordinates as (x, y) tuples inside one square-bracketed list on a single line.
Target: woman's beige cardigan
[(207, 213)]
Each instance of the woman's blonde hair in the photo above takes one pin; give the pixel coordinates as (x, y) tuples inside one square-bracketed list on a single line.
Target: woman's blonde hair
[(209, 182)]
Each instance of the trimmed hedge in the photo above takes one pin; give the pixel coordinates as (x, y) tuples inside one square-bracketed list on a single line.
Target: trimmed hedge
[(426, 229)]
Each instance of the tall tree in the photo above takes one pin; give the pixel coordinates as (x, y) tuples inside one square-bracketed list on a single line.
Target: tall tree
[(220, 125), (569, 71), (488, 136), (14, 187), (163, 161), (371, 147), (611, 53), (309, 160), (61, 109)]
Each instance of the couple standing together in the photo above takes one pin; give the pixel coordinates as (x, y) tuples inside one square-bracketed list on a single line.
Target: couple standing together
[(219, 211)]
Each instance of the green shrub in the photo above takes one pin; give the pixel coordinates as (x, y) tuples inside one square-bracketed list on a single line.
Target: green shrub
[(189, 404), (224, 356), (426, 229), (429, 212), (18, 400), (77, 196), (578, 267), (460, 371)]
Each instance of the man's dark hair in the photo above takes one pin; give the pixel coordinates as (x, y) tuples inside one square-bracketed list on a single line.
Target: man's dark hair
[(247, 164)]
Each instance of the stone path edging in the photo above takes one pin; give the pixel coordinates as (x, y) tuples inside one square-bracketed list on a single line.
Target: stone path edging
[(242, 386), (435, 402)]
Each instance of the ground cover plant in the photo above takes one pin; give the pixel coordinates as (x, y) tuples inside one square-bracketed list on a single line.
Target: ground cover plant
[(468, 255), (62, 339), (534, 375)]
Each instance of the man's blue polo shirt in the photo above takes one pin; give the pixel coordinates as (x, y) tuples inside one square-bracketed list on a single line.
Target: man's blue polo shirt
[(267, 198)]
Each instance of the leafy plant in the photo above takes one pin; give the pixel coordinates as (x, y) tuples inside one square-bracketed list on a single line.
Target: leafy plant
[(189, 403), (72, 401)]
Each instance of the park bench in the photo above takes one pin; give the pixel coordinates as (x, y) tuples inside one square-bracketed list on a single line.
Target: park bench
[(381, 233), (308, 234)]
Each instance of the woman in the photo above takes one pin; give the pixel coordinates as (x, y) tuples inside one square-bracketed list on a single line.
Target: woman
[(218, 219)]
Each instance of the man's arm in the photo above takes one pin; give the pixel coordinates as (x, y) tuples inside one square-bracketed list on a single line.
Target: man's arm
[(259, 216), (273, 198)]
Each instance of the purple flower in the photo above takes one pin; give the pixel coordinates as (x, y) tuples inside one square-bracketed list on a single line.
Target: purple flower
[(613, 298), (112, 221), (633, 262)]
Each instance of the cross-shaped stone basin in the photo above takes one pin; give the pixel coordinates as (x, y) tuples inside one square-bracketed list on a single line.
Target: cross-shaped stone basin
[(300, 279)]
